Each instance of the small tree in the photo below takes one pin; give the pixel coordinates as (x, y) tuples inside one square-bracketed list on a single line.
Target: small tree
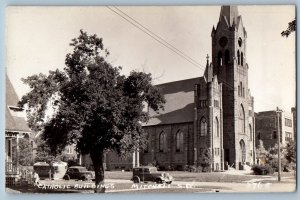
[(291, 152), (24, 154), (291, 28), (205, 161), (272, 157), (94, 106), (43, 152), (261, 152)]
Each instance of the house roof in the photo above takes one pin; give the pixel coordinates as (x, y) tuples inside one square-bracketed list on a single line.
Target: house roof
[(179, 106), (11, 95), (13, 123)]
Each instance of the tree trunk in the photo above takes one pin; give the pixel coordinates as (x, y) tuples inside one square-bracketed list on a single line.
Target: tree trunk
[(97, 159)]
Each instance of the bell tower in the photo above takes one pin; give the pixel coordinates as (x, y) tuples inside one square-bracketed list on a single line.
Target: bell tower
[(229, 61)]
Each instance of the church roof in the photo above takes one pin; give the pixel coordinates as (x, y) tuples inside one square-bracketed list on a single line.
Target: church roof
[(13, 123), (230, 13), (179, 106)]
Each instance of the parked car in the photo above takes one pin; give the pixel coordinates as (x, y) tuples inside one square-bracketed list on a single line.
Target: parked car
[(78, 172), (57, 170), (146, 173)]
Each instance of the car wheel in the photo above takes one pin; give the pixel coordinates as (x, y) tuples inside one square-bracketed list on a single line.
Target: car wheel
[(158, 181), (169, 182), (66, 177), (84, 178), (136, 179)]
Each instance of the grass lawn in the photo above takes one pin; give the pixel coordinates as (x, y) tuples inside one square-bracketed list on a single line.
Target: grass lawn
[(199, 177)]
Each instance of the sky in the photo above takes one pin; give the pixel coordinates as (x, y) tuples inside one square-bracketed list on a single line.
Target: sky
[(37, 40)]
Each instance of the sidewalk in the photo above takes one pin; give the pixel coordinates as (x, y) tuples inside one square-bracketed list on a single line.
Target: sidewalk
[(8, 190)]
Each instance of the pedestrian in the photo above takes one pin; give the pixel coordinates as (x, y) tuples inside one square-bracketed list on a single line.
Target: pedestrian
[(36, 178)]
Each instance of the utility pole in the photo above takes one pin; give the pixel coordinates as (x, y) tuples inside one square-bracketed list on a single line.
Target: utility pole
[(278, 111)]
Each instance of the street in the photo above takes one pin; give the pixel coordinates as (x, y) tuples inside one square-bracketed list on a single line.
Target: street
[(249, 183)]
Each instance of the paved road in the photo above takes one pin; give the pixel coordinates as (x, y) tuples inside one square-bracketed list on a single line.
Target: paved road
[(263, 184)]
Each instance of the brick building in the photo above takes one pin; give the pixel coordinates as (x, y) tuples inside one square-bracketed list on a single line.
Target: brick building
[(266, 126), (294, 112), (206, 117)]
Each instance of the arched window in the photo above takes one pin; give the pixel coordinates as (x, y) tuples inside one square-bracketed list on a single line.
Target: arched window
[(250, 132), (217, 129), (242, 119), (242, 59), (220, 58), (162, 141), (238, 56), (227, 57), (203, 127), (179, 141), (243, 151), (274, 135), (147, 147), (241, 89)]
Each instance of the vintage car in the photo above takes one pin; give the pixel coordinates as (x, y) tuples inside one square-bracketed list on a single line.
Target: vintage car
[(146, 173), (54, 171), (79, 172)]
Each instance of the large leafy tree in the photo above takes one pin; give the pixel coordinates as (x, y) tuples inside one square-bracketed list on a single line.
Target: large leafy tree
[(92, 104)]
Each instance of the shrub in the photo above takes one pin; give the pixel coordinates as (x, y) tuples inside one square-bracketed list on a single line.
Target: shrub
[(274, 164), (206, 169), (199, 169), (161, 168), (192, 168), (262, 169), (172, 168), (188, 168)]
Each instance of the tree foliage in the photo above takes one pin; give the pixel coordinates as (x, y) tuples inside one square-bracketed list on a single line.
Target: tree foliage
[(291, 152), (93, 105), (43, 153), (260, 151), (23, 155), (291, 28), (270, 156)]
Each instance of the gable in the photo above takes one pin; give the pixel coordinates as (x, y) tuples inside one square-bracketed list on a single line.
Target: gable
[(179, 106), (13, 123), (11, 95)]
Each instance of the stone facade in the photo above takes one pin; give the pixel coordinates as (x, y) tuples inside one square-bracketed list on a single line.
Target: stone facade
[(229, 61)]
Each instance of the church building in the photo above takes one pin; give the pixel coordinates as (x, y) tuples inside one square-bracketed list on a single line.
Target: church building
[(208, 121), (209, 118)]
